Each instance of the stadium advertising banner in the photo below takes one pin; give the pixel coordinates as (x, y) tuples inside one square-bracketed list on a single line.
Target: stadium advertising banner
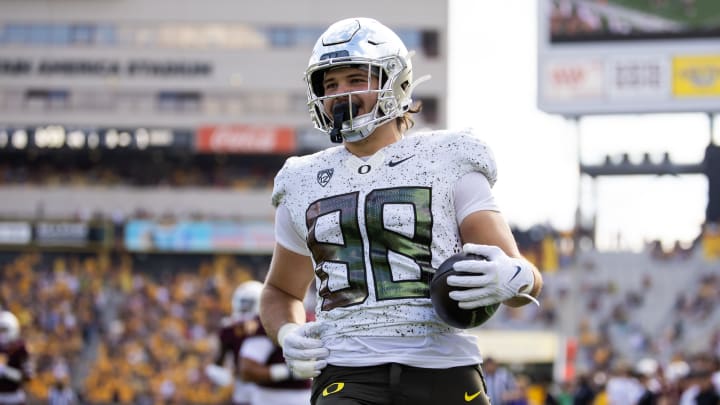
[(245, 139), (60, 234), (200, 236), (15, 233), (628, 56), (697, 76), (57, 137)]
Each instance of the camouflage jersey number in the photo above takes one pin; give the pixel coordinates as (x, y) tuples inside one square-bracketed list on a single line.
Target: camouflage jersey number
[(346, 260)]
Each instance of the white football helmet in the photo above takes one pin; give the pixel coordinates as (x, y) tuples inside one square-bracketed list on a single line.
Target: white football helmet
[(9, 327), (368, 44), (246, 299)]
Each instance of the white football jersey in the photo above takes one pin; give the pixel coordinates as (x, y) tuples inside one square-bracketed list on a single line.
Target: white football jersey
[(378, 228)]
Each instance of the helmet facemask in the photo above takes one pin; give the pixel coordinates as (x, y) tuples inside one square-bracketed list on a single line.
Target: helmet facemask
[(366, 44), (246, 307), (352, 127), (5, 335), (246, 300)]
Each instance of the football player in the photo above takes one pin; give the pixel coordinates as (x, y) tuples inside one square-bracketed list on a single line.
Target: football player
[(15, 363), (370, 220), (262, 362), (235, 328)]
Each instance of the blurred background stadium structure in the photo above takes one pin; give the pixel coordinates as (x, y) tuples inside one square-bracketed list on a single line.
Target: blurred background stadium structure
[(138, 144)]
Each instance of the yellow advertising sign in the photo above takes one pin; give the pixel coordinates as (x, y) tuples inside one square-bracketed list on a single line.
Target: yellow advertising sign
[(696, 76)]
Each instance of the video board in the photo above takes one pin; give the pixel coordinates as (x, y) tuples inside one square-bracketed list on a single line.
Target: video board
[(628, 56)]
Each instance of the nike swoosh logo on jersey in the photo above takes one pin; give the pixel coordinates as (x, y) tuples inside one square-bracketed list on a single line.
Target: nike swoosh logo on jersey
[(397, 162), (469, 397), (516, 273)]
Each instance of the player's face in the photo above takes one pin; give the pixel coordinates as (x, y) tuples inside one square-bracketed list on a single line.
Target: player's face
[(350, 79)]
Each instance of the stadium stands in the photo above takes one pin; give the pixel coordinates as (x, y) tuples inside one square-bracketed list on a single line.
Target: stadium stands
[(135, 327)]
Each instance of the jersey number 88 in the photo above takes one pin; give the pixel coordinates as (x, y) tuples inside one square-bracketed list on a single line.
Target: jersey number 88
[(343, 261)]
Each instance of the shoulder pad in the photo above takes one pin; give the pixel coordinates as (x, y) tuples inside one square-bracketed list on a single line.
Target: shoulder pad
[(280, 184), (466, 152), (477, 155)]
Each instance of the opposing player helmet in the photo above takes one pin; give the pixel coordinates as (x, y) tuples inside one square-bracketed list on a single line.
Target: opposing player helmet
[(246, 299), (367, 44), (9, 327)]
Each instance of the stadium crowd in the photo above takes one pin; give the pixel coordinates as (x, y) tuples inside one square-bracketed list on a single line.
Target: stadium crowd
[(224, 171), (117, 334), (120, 330)]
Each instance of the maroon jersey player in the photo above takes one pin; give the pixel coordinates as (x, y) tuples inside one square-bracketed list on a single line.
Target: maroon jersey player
[(235, 328), (15, 365), (263, 363)]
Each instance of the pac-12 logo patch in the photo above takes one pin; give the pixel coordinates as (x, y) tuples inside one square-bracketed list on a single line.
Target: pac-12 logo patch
[(324, 176)]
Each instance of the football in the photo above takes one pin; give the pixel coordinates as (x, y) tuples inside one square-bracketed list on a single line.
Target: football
[(445, 307)]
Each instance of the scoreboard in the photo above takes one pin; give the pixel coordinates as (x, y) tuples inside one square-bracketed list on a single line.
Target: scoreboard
[(628, 56)]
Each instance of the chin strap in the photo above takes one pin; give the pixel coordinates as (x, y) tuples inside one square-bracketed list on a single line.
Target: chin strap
[(341, 112)]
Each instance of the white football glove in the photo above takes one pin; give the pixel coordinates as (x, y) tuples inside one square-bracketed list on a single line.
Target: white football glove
[(219, 375), (11, 373), (490, 281), (302, 348)]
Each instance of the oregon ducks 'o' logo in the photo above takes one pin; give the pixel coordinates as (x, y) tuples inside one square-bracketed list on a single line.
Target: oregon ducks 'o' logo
[(364, 169), (333, 388)]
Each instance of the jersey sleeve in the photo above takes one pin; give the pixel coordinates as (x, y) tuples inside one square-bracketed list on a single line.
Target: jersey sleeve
[(472, 194), (286, 235), (475, 155), (282, 182)]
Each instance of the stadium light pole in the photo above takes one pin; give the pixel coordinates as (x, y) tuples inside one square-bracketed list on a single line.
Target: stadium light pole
[(575, 120), (574, 315)]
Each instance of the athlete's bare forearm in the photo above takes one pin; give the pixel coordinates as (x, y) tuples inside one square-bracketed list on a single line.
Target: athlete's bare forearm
[(278, 308)]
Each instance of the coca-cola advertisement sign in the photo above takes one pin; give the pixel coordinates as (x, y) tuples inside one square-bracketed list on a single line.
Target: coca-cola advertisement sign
[(245, 139)]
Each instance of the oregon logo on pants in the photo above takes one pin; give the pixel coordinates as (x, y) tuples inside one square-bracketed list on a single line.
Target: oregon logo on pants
[(333, 388)]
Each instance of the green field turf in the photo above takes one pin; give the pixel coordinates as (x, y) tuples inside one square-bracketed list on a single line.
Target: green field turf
[(703, 14)]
